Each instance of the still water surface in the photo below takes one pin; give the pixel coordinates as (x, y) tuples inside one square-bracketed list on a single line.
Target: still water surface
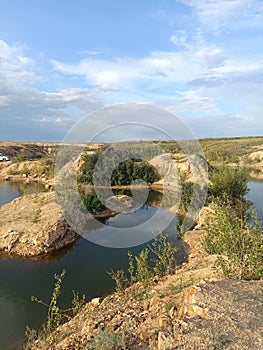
[(85, 263)]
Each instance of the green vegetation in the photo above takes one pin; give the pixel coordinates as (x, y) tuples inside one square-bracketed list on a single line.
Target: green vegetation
[(37, 215), (156, 260), (93, 204), (221, 150), (55, 315), (236, 240), (228, 183), (233, 231), (87, 167), (19, 158), (229, 150), (123, 174), (186, 196), (104, 340), (131, 170), (47, 167)]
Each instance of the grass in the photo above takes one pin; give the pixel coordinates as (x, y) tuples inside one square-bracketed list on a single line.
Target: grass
[(221, 150)]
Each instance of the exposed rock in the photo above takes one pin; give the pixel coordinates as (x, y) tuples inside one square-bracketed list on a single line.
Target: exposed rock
[(189, 304), (33, 225), (165, 341), (119, 203), (95, 301), (235, 316)]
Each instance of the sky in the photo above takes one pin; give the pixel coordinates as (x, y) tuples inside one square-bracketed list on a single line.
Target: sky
[(62, 60)]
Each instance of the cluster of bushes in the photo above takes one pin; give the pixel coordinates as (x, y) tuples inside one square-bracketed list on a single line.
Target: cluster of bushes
[(123, 174)]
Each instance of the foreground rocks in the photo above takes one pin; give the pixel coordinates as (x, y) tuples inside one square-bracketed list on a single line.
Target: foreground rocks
[(33, 226)]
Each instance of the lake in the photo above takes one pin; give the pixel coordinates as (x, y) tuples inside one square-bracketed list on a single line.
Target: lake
[(85, 263)]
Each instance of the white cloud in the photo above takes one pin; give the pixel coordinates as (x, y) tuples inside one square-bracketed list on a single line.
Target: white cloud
[(211, 56), (179, 38), (27, 109), (220, 14), (125, 72)]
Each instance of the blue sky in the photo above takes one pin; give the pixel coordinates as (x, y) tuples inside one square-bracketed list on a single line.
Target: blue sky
[(62, 60)]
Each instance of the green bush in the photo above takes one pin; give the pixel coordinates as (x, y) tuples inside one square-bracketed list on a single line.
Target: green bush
[(93, 204), (228, 183), (123, 174), (238, 242), (121, 281), (18, 158), (87, 167), (186, 196)]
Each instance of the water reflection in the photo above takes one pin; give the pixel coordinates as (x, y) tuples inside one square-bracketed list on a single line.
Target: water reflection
[(86, 264)]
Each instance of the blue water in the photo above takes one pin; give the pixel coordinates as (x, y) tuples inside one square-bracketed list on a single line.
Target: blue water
[(256, 196), (86, 266)]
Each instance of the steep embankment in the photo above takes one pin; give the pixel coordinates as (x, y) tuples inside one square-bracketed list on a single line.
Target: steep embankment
[(193, 309)]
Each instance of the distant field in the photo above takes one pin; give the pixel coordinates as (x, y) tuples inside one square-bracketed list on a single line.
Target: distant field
[(240, 150)]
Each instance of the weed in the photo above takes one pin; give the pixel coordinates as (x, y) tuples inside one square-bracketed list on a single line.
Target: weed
[(121, 281), (157, 259), (228, 183), (164, 261), (55, 315)]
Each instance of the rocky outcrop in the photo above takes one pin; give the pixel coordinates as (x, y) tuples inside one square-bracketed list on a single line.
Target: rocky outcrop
[(33, 225)]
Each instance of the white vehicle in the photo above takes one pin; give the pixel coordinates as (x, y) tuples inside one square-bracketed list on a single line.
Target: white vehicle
[(4, 157)]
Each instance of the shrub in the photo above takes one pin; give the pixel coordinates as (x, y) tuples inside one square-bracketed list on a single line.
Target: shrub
[(25, 170), (228, 183), (93, 204), (238, 242), (186, 196), (143, 271), (123, 174), (18, 158), (87, 167), (163, 260)]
